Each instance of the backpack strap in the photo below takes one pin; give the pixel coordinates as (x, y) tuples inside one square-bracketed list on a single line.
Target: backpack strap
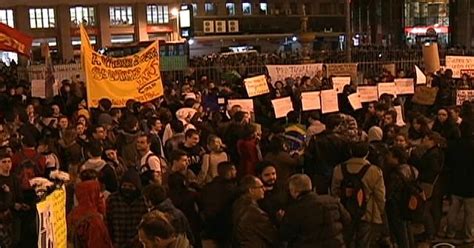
[(360, 174), (363, 171)]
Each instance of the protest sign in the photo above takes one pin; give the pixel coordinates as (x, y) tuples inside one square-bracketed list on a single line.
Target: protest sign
[(52, 227), (220, 100), (420, 76), (342, 69), (329, 101), (120, 79), (282, 106), (368, 93), (354, 100), (311, 100), (425, 95), (458, 63), (38, 88), (387, 88), (280, 72), (431, 57), (464, 95), (405, 86), (400, 121), (245, 104), (338, 83), (256, 86)]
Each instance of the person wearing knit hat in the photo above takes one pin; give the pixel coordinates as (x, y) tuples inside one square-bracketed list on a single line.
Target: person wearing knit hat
[(375, 134), (125, 209), (377, 148)]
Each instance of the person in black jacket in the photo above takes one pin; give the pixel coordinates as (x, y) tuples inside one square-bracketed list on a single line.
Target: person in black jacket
[(313, 220)]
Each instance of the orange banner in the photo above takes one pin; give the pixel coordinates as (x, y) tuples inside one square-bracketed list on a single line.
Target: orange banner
[(12, 40)]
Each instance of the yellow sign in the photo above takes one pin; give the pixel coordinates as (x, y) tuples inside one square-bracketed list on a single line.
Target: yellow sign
[(52, 227), (120, 79)]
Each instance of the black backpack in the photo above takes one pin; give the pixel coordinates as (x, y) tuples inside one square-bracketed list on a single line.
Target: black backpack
[(352, 195), (412, 198)]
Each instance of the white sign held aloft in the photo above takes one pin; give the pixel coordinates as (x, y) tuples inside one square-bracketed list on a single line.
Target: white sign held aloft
[(282, 106), (459, 63), (368, 93), (245, 104), (280, 72), (311, 100), (354, 100), (405, 86), (420, 76), (38, 88), (256, 86), (339, 83), (387, 88), (329, 101)]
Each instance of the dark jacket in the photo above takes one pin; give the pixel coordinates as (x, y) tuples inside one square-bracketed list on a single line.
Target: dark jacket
[(251, 226), (463, 168), (275, 200), (177, 218), (216, 208), (127, 147), (431, 165), (315, 221)]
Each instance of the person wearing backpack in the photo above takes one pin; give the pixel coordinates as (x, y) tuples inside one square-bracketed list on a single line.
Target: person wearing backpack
[(404, 196), (107, 174), (361, 188), (150, 166)]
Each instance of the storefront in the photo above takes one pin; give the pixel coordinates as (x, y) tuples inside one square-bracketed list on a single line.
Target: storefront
[(423, 15)]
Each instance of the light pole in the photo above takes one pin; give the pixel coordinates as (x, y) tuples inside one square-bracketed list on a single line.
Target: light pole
[(348, 31)]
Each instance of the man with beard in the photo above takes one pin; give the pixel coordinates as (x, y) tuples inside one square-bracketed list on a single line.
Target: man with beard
[(216, 204), (125, 209), (276, 196)]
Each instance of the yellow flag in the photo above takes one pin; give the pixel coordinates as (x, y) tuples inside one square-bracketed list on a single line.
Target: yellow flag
[(120, 79)]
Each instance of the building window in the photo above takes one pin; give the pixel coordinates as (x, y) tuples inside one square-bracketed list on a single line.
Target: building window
[(157, 14), (84, 15), (121, 15), (195, 9), (122, 38), (263, 8), (6, 17), (76, 41), (210, 8), (247, 8), (52, 42), (42, 18), (230, 7)]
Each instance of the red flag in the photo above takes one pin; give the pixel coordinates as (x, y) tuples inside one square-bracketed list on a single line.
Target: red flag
[(12, 40)]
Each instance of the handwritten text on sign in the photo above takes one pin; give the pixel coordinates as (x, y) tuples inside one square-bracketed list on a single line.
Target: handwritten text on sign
[(338, 83), (256, 86), (282, 106), (464, 95), (245, 104), (458, 63), (52, 220), (405, 86), (368, 93), (311, 100), (387, 88), (280, 72), (329, 102)]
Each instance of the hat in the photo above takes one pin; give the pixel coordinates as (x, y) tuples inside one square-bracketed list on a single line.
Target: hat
[(375, 134), (84, 112)]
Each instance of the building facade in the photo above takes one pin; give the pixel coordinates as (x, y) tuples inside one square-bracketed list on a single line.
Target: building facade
[(266, 24)]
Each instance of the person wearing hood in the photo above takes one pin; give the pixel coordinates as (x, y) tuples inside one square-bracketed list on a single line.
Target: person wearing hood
[(156, 231), (377, 148), (95, 162), (86, 227), (127, 141), (125, 209), (157, 200)]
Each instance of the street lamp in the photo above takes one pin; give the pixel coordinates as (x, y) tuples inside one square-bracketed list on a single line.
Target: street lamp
[(175, 13)]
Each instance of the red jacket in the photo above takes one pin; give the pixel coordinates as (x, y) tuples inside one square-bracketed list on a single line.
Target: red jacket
[(249, 156), (30, 153)]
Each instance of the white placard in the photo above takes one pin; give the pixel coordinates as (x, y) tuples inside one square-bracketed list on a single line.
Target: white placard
[(220, 100), (405, 86), (354, 100), (329, 101), (38, 88), (256, 85), (387, 88), (368, 93), (311, 100), (282, 106), (339, 83), (280, 72), (458, 64), (420, 76), (464, 95), (246, 104), (400, 121)]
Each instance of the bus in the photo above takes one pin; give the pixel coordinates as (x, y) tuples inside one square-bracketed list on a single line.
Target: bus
[(174, 55)]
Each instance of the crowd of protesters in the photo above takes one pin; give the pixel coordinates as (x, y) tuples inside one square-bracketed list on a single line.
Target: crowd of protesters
[(187, 171)]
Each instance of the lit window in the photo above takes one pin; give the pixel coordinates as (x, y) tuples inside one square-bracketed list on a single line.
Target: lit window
[(121, 15), (6, 17), (247, 8), (84, 15), (76, 41), (157, 14), (195, 9), (42, 18), (210, 8), (52, 42), (264, 8), (122, 38), (230, 7)]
